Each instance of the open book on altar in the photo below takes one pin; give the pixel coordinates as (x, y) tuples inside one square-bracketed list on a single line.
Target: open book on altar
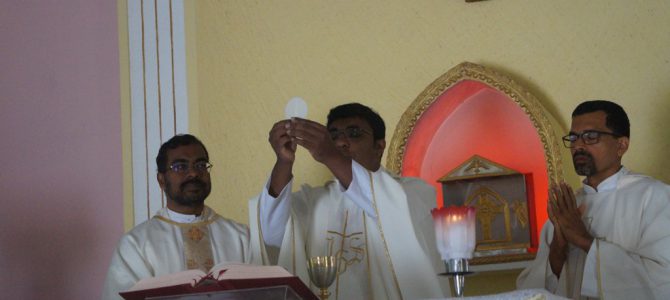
[(225, 276)]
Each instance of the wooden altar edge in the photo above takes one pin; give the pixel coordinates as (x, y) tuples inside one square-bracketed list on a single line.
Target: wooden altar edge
[(485, 260), (292, 282)]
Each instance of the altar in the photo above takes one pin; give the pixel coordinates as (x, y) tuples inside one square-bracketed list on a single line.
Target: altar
[(530, 294)]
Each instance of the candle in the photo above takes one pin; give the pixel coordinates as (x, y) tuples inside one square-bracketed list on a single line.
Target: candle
[(455, 231)]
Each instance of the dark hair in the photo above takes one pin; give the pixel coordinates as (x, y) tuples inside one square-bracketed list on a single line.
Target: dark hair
[(173, 143), (352, 110), (617, 119)]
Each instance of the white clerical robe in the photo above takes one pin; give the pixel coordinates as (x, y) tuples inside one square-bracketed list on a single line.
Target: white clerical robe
[(630, 255), (157, 247), (385, 246)]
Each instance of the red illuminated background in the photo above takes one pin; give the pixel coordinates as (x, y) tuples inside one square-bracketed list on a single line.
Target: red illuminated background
[(472, 118)]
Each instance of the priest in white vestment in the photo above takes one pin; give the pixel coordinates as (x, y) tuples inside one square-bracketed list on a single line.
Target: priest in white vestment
[(184, 235), (610, 240), (378, 225)]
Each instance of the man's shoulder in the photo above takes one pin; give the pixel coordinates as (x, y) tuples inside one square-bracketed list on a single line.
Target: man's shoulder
[(139, 233), (155, 227), (632, 180), (655, 192), (231, 224), (144, 226)]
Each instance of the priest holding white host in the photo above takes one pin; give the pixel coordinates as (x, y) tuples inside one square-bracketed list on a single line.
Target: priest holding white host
[(610, 239), (377, 225)]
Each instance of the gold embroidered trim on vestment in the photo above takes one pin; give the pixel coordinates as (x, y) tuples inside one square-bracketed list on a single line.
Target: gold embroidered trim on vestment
[(339, 272), (381, 232), (260, 233), (197, 247), (293, 244), (367, 257), (349, 244), (195, 234), (202, 223)]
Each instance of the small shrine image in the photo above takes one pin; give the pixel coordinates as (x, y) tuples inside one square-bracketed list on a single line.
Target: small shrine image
[(501, 199)]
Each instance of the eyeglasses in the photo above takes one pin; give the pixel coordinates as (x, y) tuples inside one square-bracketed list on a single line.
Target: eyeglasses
[(589, 137), (349, 132), (182, 167)]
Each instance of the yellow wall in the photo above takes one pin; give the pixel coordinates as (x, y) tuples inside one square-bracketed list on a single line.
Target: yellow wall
[(249, 57)]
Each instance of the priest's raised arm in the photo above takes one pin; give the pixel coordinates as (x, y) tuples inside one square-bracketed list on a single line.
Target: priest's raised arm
[(378, 225)]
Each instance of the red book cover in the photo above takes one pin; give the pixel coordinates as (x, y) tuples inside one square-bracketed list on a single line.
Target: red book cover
[(228, 277)]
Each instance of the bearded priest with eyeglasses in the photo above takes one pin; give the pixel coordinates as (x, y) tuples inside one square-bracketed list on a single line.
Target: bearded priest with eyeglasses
[(377, 225), (186, 234), (611, 239)]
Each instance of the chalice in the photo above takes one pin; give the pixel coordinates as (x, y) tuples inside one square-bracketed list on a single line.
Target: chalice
[(322, 271)]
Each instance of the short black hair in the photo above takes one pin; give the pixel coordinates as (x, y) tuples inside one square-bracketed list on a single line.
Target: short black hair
[(352, 110), (173, 143), (617, 119)]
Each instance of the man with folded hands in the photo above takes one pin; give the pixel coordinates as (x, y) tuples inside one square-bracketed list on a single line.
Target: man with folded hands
[(611, 239)]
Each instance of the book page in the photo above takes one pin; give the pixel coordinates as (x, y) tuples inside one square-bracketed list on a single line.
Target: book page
[(185, 277), (192, 277), (245, 271)]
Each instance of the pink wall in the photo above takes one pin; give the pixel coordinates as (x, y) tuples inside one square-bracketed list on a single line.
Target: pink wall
[(60, 126)]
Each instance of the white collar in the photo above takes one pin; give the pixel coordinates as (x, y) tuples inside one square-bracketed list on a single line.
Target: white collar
[(606, 185), (182, 218)]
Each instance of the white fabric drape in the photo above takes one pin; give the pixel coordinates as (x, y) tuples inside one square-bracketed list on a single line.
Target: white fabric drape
[(632, 246), (156, 248), (402, 260)]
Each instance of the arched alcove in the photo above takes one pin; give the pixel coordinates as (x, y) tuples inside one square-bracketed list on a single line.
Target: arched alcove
[(474, 110)]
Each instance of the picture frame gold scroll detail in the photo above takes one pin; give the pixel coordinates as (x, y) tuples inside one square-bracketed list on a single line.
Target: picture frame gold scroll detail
[(544, 124), (500, 199), (514, 91)]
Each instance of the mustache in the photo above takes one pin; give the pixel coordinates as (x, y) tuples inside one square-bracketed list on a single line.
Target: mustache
[(194, 181), (582, 153)]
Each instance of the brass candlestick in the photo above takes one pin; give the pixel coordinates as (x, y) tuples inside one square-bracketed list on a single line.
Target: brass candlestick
[(322, 271)]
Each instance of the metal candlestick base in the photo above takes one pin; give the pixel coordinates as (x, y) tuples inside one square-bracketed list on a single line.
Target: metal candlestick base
[(457, 269)]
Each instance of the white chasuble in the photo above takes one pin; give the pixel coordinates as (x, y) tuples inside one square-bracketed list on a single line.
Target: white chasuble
[(392, 256), (161, 246), (631, 250)]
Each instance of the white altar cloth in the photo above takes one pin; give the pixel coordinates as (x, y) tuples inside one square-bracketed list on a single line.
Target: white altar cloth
[(529, 294)]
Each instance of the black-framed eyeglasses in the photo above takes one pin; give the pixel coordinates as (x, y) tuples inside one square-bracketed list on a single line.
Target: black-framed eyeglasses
[(182, 167), (349, 132), (589, 137)]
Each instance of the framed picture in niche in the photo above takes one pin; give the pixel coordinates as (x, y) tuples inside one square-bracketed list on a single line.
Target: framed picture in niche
[(502, 200)]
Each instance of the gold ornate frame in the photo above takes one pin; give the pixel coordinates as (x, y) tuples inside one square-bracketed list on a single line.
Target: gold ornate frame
[(515, 92), (537, 114)]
